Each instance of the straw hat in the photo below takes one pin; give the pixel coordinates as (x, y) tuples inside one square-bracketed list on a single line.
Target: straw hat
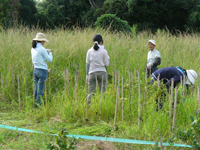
[(152, 41), (40, 37), (191, 77)]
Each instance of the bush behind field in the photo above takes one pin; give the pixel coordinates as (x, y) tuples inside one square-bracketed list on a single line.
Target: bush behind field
[(127, 54), (113, 23)]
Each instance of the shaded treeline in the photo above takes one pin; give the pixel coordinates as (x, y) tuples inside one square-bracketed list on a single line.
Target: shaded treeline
[(145, 14)]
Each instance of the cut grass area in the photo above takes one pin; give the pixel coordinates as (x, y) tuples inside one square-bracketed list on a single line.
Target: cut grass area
[(10, 139)]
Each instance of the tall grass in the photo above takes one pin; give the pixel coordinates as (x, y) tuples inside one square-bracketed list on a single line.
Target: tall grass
[(127, 54)]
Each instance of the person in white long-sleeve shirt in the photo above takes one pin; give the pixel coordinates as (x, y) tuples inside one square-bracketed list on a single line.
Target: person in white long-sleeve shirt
[(39, 57), (153, 58), (97, 60)]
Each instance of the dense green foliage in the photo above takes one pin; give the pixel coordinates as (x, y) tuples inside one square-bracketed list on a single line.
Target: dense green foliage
[(145, 14), (113, 23), (62, 142), (192, 134), (5, 12), (27, 12)]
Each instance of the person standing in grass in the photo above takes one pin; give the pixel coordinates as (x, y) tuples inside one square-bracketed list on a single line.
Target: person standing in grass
[(39, 57), (97, 60), (153, 58)]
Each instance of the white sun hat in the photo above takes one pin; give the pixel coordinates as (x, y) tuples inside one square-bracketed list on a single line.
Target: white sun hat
[(191, 77), (152, 41), (40, 37)]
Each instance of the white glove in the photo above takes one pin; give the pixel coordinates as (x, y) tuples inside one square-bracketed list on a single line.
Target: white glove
[(149, 66), (87, 79)]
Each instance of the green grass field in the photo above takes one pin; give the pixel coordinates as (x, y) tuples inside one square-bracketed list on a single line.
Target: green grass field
[(65, 103)]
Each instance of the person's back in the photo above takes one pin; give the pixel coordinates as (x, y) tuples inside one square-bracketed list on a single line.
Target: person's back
[(168, 73), (97, 60), (40, 56)]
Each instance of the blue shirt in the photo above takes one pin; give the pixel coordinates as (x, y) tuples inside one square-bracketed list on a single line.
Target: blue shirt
[(166, 74), (40, 56)]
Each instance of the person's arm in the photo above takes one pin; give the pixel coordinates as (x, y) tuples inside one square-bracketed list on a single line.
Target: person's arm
[(158, 59), (157, 62), (148, 67), (106, 59), (153, 78), (87, 68), (47, 55), (87, 63)]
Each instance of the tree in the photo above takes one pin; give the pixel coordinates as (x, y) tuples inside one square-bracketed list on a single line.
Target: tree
[(154, 14), (96, 3), (118, 7), (67, 12), (113, 23), (79, 13), (50, 14), (5, 12), (194, 19), (27, 12)]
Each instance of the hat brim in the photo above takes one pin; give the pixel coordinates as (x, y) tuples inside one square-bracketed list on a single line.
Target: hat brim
[(190, 79), (151, 43), (45, 40)]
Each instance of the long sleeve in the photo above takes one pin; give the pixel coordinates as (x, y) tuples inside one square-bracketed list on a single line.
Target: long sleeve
[(157, 62), (106, 58), (88, 57), (87, 62), (87, 68), (48, 57)]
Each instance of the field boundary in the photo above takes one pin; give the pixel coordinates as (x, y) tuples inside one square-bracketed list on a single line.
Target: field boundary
[(107, 139)]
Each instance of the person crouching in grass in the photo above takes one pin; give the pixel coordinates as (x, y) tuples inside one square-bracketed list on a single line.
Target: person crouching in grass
[(165, 75), (39, 57)]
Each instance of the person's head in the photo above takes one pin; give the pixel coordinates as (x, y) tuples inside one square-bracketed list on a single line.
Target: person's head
[(191, 77), (151, 44), (98, 40), (40, 38)]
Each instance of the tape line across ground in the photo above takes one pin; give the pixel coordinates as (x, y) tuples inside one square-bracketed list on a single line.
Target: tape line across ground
[(97, 137)]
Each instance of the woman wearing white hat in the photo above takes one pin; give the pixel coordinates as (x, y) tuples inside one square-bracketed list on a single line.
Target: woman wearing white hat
[(39, 57), (153, 59)]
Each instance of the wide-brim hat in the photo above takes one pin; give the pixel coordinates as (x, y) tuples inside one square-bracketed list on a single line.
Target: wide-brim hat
[(40, 37), (191, 77), (152, 41)]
